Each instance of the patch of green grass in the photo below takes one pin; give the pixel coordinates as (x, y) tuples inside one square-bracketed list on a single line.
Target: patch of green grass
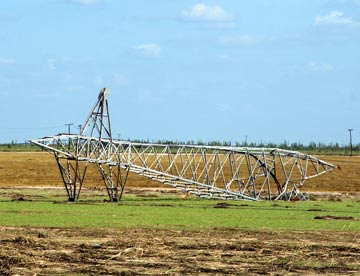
[(13, 147), (46, 209)]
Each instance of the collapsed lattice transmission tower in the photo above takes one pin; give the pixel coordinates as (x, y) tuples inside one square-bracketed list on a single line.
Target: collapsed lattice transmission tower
[(206, 171)]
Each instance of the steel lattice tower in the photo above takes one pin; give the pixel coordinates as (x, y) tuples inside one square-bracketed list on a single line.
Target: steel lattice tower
[(207, 171)]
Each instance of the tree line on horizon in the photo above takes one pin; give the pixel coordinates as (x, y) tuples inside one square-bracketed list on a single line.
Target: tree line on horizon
[(296, 146)]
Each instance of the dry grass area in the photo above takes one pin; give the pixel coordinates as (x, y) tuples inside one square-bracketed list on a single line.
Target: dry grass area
[(40, 169), (170, 252)]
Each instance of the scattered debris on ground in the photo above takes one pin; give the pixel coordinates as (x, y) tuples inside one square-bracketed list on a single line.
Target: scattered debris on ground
[(32, 251)]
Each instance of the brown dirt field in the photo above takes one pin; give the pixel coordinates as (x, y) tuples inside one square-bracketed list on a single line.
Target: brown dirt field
[(34, 251), (40, 169), (29, 251), (344, 179)]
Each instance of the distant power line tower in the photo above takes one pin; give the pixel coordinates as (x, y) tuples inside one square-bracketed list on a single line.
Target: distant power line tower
[(350, 131), (69, 127), (206, 171)]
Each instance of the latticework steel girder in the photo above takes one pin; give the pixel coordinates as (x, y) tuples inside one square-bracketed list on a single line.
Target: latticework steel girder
[(206, 171)]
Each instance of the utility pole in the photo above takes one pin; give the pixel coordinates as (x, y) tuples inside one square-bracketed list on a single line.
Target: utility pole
[(350, 130), (69, 125), (80, 127)]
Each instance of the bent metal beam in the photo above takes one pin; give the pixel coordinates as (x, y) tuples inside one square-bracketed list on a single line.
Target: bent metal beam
[(206, 171)]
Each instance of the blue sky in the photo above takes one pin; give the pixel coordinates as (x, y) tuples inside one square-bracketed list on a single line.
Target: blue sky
[(183, 70)]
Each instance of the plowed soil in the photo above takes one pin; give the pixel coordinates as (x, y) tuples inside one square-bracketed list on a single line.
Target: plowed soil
[(40, 169), (161, 252)]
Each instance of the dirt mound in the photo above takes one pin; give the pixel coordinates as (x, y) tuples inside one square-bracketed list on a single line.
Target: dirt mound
[(335, 218)]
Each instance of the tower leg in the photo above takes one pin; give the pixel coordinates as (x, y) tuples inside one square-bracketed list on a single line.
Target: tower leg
[(73, 175), (114, 181)]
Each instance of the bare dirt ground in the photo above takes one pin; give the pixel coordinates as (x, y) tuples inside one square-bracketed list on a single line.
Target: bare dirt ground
[(34, 251), (40, 169), (26, 251)]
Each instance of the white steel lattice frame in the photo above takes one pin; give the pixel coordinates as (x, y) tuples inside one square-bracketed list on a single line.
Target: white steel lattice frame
[(206, 171)]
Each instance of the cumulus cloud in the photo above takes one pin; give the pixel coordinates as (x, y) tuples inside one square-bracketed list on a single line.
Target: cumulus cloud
[(202, 12), (333, 18), (148, 50)]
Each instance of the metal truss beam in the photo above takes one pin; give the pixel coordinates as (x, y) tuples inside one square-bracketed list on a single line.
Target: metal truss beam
[(206, 171)]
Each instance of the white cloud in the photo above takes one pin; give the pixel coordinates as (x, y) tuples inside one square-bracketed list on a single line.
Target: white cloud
[(333, 18), (148, 50), (202, 12), (320, 67)]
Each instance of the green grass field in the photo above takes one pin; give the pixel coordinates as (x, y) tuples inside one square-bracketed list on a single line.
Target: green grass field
[(44, 208), (165, 233)]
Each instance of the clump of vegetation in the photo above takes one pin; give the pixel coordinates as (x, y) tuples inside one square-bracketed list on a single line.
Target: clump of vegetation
[(18, 147)]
